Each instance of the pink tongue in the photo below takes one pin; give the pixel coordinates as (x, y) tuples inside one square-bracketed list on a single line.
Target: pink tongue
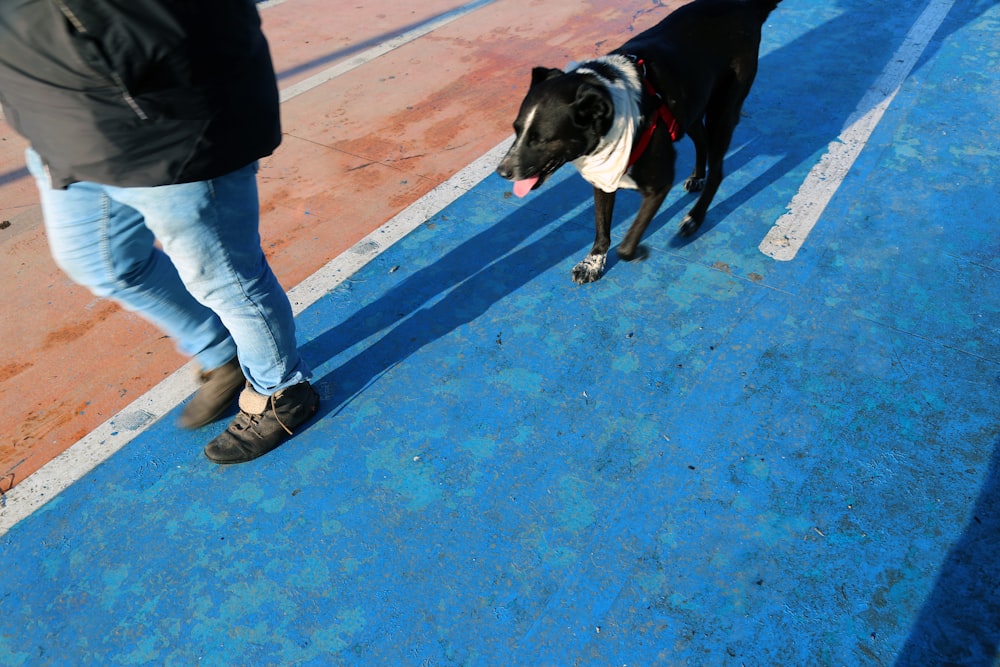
[(522, 188)]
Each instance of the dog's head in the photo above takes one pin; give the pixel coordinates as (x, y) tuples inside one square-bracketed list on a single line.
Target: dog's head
[(563, 117)]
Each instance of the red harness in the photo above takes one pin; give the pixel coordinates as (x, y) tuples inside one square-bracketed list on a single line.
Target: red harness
[(662, 114)]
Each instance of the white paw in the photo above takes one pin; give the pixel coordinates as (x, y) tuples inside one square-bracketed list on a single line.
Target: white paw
[(589, 269)]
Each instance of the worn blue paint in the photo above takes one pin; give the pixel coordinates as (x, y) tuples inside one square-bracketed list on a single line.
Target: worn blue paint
[(705, 458)]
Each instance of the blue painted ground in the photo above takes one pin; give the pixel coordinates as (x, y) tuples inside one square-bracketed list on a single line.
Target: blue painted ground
[(705, 458)]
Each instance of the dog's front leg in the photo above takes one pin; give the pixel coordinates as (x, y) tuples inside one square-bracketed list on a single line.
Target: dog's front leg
[(651, 203), (591, 267)]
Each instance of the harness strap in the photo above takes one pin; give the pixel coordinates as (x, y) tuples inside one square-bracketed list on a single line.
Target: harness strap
[(662, 114)]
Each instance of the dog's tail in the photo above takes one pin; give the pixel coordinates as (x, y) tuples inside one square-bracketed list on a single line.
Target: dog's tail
[(766, 7)]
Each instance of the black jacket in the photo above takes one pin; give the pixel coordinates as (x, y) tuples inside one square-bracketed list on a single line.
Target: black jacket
[(138, 92)]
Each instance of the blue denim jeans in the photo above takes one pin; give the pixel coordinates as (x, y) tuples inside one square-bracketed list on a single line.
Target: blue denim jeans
[(208, 285)]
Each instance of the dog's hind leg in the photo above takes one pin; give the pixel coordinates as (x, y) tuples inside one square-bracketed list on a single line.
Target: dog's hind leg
[(721, 117), (696, 181), (591, 267)]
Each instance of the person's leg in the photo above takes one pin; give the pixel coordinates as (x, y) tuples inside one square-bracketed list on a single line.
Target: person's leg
[(104, 246), (210, 231)]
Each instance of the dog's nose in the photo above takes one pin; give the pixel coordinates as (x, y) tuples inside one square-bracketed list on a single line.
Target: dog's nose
[(505, 171)]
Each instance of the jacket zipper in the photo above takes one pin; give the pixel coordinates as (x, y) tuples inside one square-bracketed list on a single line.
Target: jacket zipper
[(126, 95)]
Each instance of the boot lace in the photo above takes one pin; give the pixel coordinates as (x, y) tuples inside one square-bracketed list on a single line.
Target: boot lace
[(246, 421)]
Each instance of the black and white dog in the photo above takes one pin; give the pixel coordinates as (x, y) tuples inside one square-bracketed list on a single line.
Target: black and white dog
[(615, 118)]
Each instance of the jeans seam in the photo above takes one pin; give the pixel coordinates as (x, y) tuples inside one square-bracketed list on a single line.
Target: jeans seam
[(276, 359), (104, 240)]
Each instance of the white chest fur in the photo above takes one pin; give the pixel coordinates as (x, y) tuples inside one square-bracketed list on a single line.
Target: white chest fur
[(607, 167)]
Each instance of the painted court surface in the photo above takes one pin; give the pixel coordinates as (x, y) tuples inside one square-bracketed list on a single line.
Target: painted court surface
[(710, 457)]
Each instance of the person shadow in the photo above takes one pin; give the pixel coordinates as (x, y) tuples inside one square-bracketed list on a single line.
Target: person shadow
[(959, 623), (455, 289), (805, 92)]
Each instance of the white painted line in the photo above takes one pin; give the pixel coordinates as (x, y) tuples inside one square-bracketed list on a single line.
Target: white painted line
[(381, 49), (785, 238), (83, 456)]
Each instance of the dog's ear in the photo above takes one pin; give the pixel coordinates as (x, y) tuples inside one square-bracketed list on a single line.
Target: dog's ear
[(592, 107), (539, 74)]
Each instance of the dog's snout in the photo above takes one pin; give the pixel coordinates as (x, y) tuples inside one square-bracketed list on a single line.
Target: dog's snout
[(508, 167)]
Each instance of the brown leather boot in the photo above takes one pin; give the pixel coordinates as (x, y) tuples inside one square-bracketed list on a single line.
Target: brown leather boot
[(263, 423), (219, 388)]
